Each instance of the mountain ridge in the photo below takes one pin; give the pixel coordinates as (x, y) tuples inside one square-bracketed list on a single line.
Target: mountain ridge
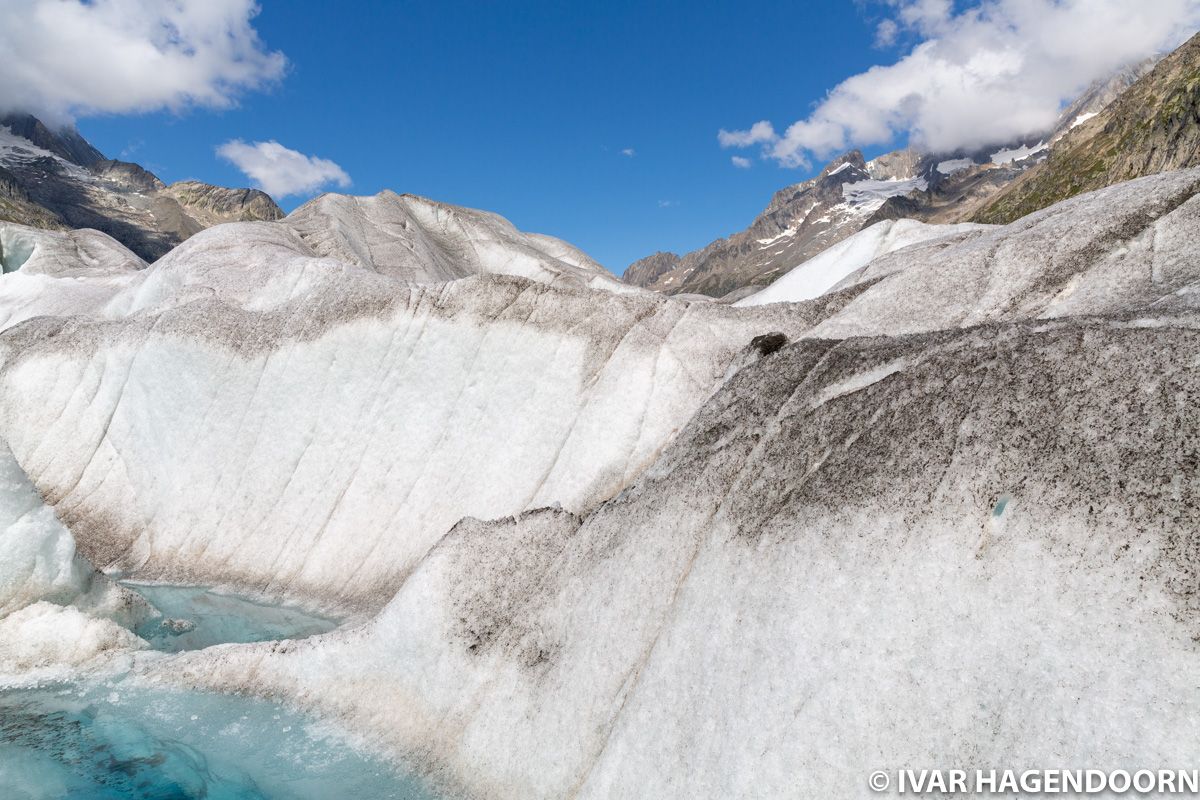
[(55, 179), (804, 219)]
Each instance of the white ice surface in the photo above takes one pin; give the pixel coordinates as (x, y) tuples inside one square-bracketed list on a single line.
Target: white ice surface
[(60, 273), (669, 648), (328, 462), (46, 640), (56, 611), (422, 241), (298, 423)]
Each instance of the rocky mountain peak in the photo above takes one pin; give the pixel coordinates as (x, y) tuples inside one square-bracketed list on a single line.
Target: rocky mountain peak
[(852, 159), (63, 142), (53, 178)]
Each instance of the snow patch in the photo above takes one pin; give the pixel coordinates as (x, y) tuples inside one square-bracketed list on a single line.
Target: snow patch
[(1082, 118), (954, 165), (1018, 153), (867, 196), (788, 232)]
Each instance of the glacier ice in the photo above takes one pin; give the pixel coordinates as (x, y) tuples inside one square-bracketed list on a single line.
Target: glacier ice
[(56, 611), (595, 543), (829, 267), (60, 273), (800, 592)]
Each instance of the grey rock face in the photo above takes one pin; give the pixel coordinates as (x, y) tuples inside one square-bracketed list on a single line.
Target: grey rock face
[(646, 271), (211, 205), (802, 220), (126, 176)]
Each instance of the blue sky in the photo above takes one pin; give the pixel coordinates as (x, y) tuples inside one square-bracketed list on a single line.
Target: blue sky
[(597, 123), (524, 108)]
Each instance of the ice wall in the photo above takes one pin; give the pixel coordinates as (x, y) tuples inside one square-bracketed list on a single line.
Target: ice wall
[(318, 447), (55, 608)]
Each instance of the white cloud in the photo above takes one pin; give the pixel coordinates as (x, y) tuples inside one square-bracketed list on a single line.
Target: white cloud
[(280, 171), (741, 162), (759, 132), (886, 33), (628, 151), (64, 58), (994, 72), (667, 203)]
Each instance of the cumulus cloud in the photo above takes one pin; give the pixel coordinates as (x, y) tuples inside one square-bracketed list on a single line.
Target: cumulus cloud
[(994, 72), (67, 58), (280, 171), (629, 152), (740, 162), (759, 132)]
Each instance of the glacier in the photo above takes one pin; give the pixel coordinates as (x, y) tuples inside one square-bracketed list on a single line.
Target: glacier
[(940, 507)]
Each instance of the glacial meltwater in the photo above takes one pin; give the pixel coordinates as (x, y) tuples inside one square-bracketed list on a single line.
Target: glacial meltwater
[(119, 739), (122, 736), (194, 617)]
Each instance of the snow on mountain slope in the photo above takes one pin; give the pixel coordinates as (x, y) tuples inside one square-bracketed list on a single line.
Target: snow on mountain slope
[(867, 196), (422, 241), (848, 537), (821, 272)]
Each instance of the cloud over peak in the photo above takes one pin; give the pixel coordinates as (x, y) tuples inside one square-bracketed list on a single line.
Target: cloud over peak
[(66, 58), (280, 171), (994, 72)]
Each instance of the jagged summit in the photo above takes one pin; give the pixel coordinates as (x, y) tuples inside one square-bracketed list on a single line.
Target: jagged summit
[(800, 221), (65, 143)]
